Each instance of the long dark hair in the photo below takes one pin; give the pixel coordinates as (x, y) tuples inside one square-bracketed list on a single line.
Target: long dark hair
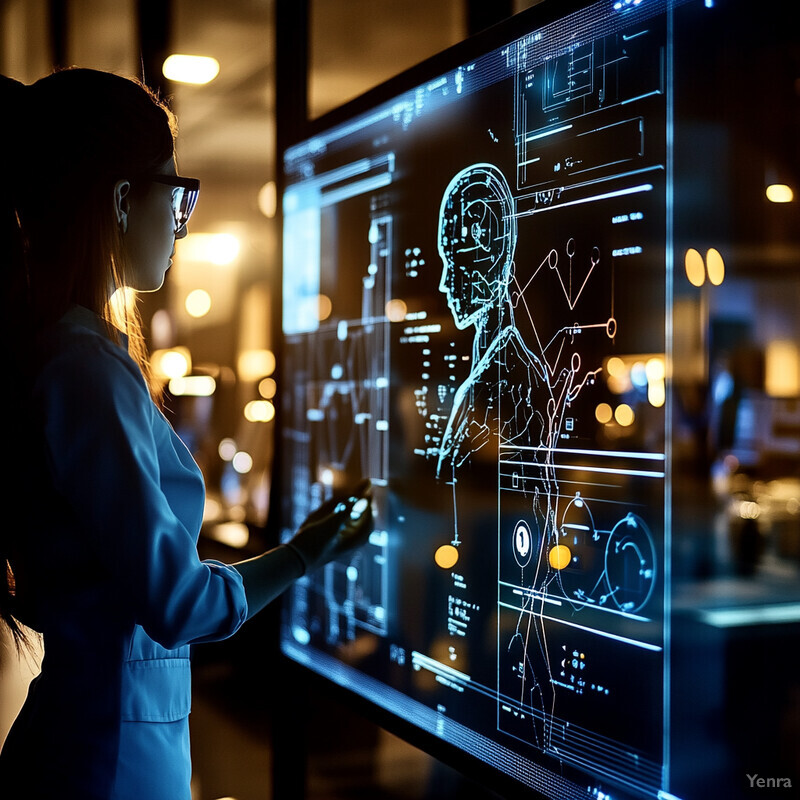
[(65, 141)]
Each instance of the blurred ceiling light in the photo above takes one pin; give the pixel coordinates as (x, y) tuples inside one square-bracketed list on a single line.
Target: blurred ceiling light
[(780, 193), (259, 411), (749, 509), (197, 303), (396, 310), (190, 69), (214, 248), (242, 462), (715, 266), (268, 199), (695, 268), (603, 413), (655, 369), (193, 386), (227, 449), (255, 364), (656, 393), (624, 415), (173, 363), (324, 307), (782, 369), (616, 367), (232, 534), (267, 388)]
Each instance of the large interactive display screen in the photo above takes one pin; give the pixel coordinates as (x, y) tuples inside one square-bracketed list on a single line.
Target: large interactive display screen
[(475, 317)]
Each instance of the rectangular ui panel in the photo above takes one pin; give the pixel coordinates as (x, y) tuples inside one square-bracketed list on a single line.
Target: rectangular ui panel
[(475, 297)]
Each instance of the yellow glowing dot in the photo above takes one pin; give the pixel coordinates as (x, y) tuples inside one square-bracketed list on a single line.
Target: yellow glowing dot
[(198, 303), (695, 268), (616, 367), (715, 266), (227, 449), (780, 193), (268, 199), (654, 369), (624, 415), (782, 368), (242, 462), (446, 556), (324, 307), (603, 413), (656, 393), (560, 556), (253, 365), (190, 69), (396, 310), (173, 363), (267, 388), (193, 386), (259, 411)]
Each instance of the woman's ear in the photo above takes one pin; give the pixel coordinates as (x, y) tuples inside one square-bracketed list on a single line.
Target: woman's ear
[(121, 203)]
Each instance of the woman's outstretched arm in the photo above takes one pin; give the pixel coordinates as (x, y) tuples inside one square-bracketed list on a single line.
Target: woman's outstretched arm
[(337, 526)]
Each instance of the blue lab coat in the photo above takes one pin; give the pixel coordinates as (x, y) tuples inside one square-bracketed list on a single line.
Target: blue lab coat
[(107, 569)]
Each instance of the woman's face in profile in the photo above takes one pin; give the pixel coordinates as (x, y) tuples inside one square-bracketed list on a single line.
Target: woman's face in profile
[(149, 241)]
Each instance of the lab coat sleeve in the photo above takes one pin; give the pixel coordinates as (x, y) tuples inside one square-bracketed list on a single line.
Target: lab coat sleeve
[(102, 438)]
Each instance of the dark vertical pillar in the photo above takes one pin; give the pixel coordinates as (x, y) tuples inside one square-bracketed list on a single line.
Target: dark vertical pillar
[(485, 13), (57, 23), (291, 69), (154, 24), (291, 695)]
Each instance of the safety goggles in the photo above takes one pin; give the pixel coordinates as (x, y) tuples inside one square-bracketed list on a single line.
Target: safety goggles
[(184, 196)]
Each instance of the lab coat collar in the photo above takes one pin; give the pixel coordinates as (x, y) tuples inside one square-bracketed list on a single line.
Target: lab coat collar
[(86, 318)]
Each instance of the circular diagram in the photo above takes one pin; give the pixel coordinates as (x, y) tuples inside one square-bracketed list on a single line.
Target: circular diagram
[(630, 564), (577, 531)]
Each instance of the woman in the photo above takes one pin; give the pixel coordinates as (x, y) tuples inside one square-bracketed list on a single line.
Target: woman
[(106, 565)]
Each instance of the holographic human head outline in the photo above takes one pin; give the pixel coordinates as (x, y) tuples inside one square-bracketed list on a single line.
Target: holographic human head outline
[(476, 240)]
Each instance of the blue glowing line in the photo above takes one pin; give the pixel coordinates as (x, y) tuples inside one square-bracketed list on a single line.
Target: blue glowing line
[(641, 473), (544, 134), (584, 606), (356, 188), (645, 187), (755, 615), (644, 645), (436, 666), (608, 453)]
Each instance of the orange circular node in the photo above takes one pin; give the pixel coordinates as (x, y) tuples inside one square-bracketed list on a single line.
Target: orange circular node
[(560, 556), (446, 556)]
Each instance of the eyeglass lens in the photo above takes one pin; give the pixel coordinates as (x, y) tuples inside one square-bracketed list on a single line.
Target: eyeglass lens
[(183, 203)]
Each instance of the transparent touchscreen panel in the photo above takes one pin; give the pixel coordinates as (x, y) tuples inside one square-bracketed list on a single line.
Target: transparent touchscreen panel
[(475, 317)]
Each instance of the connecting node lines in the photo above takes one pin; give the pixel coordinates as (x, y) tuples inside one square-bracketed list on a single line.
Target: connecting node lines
[(526, 376)]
